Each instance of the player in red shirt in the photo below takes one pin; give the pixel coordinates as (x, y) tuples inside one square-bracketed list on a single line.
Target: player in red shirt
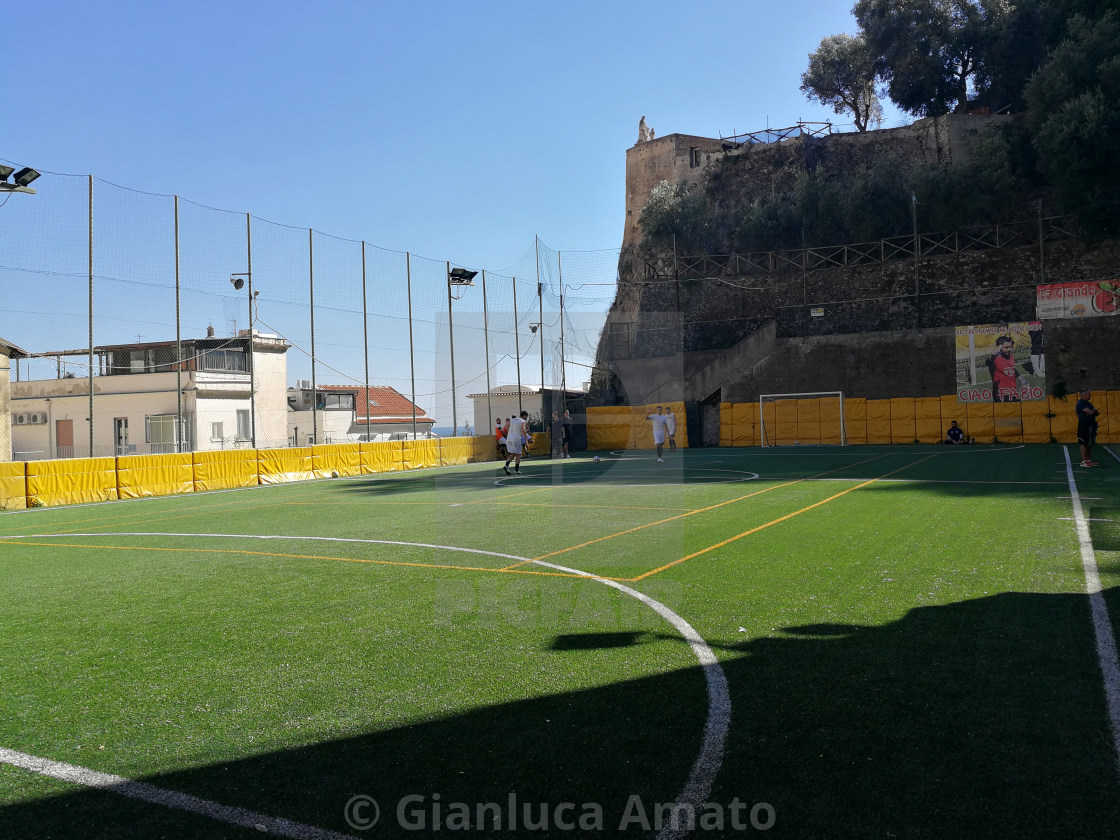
[(1005, 376)]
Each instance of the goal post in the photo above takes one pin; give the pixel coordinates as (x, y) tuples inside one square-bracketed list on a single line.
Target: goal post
[(812, 418)]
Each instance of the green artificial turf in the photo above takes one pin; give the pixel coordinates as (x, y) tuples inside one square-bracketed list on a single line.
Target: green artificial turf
[(904, 632)]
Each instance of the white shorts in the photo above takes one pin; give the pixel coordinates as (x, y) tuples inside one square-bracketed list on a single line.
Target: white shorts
[(659, 437), (513, 446)]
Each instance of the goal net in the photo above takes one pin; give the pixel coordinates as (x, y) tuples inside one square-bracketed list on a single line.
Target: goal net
[(814, 418)]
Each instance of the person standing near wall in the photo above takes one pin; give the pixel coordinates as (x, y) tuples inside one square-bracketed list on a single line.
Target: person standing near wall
[(566, 429), (658, 421), (1086, 428), (671, 429)]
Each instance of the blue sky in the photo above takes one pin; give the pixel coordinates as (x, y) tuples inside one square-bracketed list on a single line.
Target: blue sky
[(452, 131)]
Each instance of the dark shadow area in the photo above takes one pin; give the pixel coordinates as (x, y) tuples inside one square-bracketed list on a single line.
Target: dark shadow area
[(592, 641), (978, 719), (1104, 525)]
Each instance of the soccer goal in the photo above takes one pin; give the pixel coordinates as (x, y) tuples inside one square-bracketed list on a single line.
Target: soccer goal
[(814, 418)]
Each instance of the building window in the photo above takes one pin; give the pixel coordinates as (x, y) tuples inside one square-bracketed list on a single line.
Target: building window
[(229, 359), (243, 430), (693, 157), (159, 432), (216, 432)]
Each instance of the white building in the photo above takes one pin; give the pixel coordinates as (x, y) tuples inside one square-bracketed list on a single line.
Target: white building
[(349, 413), (151, 398)]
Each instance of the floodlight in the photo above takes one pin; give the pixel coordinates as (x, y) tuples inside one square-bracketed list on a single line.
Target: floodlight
[(25, 176), (533, 327), (238, 283), (461, 277), (5, 171)]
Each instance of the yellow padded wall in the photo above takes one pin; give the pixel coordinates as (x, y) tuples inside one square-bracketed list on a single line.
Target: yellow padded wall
[(608, 427), (855, 419), (902, 420), (72, 481), (13, 485), (278, 466), (878, 421), (225, 468), (1008, 420), (343, 458), (382, 456), (981, 422), (1063, 425), (154, 475), (1036, 425)]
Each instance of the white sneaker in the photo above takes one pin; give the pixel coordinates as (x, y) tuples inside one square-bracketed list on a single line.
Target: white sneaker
[(661, 460)]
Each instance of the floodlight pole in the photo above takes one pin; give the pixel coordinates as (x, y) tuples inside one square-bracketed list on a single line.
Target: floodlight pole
[(451, 339)]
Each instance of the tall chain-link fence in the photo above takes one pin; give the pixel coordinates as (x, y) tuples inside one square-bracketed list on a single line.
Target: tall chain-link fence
[(141, 323)]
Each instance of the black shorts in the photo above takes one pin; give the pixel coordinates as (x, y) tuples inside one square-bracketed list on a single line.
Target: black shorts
[(1086, 435)]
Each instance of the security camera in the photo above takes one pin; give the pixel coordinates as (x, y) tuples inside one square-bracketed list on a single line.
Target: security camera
[(238, 283)]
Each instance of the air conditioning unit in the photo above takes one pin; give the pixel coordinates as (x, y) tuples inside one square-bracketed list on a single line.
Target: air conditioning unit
[(303, 383), (19, 419), (36, 419)]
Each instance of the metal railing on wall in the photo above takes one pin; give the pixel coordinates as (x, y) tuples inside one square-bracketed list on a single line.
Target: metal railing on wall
[(906, 247)]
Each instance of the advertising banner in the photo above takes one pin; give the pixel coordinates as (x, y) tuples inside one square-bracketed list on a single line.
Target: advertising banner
[(1078, 300), (1001, 362)]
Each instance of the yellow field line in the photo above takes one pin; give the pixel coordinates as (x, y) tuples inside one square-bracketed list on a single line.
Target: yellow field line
[(588, 507), (776, 521), (87, 547), (692, 512)]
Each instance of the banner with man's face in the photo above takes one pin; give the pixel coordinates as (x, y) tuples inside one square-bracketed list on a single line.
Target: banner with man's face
[(1001, 362)]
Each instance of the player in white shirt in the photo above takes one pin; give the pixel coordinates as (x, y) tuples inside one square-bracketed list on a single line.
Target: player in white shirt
[(658, 420), (671, 429), (515, 436)]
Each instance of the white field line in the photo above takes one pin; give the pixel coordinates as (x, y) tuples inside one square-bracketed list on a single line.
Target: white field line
[(1102, 626), (1108, 449), (168, 798), (695, 792), (747, 476), (700, 779), (269, 537)]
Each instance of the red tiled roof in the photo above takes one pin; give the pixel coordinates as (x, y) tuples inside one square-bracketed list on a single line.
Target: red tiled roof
[(392, 406)]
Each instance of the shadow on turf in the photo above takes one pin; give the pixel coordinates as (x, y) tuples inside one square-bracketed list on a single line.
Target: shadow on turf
[(983, 718)]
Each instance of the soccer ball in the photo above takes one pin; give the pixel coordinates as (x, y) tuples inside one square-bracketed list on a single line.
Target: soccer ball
[(334, 473), (596, 459)]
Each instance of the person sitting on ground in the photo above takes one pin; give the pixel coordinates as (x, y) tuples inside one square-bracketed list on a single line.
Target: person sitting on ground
[(955, 434)]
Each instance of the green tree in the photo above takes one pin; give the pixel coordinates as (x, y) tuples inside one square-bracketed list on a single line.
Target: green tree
[(675, 210), (932, 53), (1076, 116), (842, 74)]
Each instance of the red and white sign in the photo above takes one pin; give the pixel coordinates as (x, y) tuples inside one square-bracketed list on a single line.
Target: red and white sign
[(1077, 300)]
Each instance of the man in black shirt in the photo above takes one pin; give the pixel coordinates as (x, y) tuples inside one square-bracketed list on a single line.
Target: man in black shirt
[(1086, 428)]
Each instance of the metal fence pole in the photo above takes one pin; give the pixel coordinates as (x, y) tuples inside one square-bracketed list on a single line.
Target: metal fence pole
[(486, 345), (365, 339), (411, 345), (178, 343), (517, 345), (314, 393), (90, 418), (252, 343), (563, 366)]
